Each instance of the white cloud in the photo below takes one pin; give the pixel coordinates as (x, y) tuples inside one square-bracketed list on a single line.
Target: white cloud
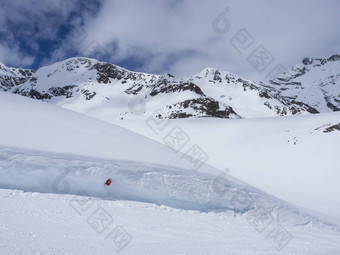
[(156, 31), (13, 57), (174, 36)]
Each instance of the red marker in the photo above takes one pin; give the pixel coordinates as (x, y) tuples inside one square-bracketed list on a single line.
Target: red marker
[(108, 182)]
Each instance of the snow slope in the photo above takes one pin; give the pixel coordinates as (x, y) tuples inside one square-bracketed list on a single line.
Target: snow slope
[(35, 223), (42, 129), (215, 216), (293, 158), (66, 153), (32, 124)]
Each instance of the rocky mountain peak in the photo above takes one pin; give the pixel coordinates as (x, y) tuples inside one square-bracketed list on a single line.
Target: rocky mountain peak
[(320, 61), (314, 82), (108, 90)]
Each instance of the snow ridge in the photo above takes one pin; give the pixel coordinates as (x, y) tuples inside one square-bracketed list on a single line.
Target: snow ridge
[(137, 181)]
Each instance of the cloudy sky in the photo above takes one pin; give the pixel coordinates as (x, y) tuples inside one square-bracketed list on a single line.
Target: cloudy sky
[(179, 37)]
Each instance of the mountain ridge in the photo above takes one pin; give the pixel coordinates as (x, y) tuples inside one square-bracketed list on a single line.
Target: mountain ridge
[(314, 81), (111, 92)]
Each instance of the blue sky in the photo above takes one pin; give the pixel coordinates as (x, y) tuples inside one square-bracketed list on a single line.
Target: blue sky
[(170, 36)]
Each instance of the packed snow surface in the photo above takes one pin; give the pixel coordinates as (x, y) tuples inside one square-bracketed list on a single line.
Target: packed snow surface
[(36, 223)]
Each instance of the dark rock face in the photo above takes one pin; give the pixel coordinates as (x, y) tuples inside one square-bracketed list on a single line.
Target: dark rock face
[(66, 91), (134, 89), (217, 76), (180, 115), (248, 85), (88, 94), (32, 93), (205, 107), (333, 107), (37, 95), (335, 57), (165, 87), (14, 77), (264, 94), (105, 72), (304, 107), (307, 61), (320, 61), (332, 128)]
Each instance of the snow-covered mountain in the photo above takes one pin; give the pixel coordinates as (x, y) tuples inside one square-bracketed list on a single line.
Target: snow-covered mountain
[(315, 82), (272, 202), (112, 93), (12, 77)]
